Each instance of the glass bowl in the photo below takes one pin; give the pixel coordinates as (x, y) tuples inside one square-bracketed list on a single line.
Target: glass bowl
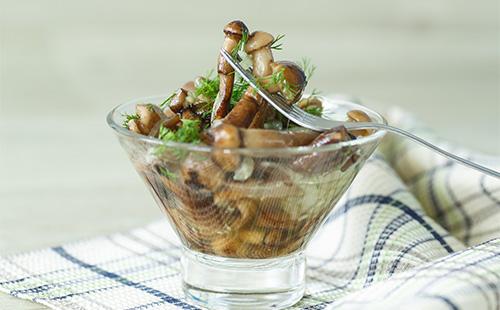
[(244, 232)]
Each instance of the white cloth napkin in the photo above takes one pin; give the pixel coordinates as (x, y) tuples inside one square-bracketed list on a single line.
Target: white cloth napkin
[(426, 238)]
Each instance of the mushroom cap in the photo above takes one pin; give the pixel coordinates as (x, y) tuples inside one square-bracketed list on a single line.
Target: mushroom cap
[(358, 116), (189, 86), (258, 40), (226, 136), (235, 28), (294, 75)]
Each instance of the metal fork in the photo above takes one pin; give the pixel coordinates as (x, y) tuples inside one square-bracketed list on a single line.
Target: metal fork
[(304, 119)]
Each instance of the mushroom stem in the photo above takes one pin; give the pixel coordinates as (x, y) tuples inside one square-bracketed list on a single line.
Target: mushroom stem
[(310, 162), (233, 34), (229, 136), (288, 79), (244, 111), (258, 48)]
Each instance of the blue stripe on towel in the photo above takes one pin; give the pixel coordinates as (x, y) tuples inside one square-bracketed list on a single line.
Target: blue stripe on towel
[(167, 298)]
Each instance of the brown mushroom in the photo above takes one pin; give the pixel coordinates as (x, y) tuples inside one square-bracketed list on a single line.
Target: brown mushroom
[(258, 47), (264, 113), (177, 103), (225, 136), (359, 116), (189, 114), (189, 86), (233, 33), (311, 101), (229, 136), (316, 161), (133, 125), (148, 117), (252, 111), (201, 173), (171, 122), (293, 83), (245, 110), (267, 138), (168, 119)]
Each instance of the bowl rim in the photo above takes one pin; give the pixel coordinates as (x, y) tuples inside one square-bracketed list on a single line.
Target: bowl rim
[(120, 130)]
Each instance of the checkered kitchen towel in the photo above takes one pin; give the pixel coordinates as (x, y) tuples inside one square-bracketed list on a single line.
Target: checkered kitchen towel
[(426, 238)]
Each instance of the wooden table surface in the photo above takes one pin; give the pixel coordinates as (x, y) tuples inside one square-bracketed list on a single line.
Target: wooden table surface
[(65, 64)]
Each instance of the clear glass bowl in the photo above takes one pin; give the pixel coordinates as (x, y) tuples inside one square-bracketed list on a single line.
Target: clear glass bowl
[(244, 232)]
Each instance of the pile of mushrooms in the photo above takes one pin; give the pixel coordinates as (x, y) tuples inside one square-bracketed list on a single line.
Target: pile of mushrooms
[(214, 202)]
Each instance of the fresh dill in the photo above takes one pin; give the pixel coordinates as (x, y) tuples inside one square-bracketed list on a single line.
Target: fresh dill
[(188, 132), (208, 87), (240, 47), (239, 88), (129, 117), (167, 101), (307, 67), (314, 110), (167, 173), (277, 43), (277, 78)]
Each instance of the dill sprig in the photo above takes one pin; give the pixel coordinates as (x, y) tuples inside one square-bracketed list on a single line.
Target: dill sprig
[(167, 101), (188, 132), (307, 67), (277, 78), (167, 173), (208, 87), (129, 117), (239, 88), (276, 44), (314, 110), (240, 47)]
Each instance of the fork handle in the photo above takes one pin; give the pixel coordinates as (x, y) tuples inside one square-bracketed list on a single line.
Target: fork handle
[(427, 144)]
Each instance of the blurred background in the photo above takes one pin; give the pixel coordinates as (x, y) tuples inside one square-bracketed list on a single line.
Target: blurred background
[(65, 64)]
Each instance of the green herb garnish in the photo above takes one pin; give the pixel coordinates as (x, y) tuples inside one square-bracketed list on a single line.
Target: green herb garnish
[(240, 47), (188, 132), (239, 88), (167, 101), (276, 44), (314, 110), (287, 89), (129, 117), (307, 67), (208, 87), (167, 173)]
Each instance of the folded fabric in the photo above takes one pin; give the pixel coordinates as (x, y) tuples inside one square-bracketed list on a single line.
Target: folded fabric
[(378, 249), (464, 201)]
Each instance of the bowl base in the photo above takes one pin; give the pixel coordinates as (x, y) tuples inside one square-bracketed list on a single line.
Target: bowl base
[(230, 283)]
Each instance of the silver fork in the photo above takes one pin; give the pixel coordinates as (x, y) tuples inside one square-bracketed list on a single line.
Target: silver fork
[(304, 119)]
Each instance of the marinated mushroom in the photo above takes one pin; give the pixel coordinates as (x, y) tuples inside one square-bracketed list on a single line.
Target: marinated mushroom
[(233, 32), (245, 110), (290, 83), (359, 116), (178, 101), (223, 199), (148, 117), (259, 50), (258, 47), (310, 162), (225, 136)]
